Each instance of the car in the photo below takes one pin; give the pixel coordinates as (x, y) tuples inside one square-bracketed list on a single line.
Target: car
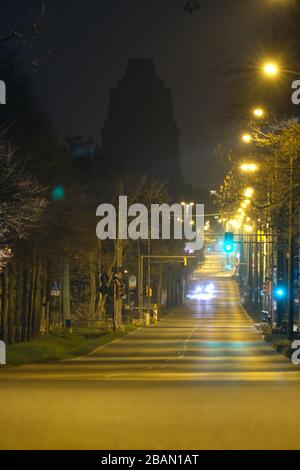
[(200, 290)]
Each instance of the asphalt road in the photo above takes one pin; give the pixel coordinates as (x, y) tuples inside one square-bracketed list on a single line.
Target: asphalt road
[(202, 378)]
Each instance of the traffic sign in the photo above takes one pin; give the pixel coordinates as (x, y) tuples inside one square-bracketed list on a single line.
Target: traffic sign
[(132, 282)]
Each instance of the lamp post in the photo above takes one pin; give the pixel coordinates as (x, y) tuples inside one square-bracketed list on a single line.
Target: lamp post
[(291, 253), (272, 70)]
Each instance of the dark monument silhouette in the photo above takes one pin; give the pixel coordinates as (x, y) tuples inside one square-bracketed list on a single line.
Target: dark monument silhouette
[(140, 134)]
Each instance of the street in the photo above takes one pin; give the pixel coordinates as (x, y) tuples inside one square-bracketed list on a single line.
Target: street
[(202, 378)]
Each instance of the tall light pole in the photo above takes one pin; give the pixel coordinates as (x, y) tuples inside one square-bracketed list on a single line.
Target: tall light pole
[(272, 70), (291, 253)]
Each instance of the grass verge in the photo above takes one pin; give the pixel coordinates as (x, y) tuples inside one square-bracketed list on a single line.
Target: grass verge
[(60, 345)]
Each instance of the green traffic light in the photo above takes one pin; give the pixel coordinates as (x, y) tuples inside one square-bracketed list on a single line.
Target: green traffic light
[(228, 248), (229, 242)]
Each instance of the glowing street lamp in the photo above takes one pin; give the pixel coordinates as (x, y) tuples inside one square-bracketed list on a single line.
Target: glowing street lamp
[(249, 192), (258, 113), (271, 69), (234, 223), (245, 204), (248, 228), (247, 138), (249, 167)]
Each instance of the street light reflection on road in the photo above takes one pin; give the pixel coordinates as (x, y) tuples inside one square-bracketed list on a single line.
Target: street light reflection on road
[(200, 296)]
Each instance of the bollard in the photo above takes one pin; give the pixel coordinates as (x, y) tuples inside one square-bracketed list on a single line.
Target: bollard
[(155, 312)]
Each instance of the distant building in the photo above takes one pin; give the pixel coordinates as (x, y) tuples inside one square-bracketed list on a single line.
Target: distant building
[(140, 134)]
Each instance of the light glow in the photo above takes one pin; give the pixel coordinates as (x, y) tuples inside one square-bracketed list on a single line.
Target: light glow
[(249, 192), (271, 69), (258, 112), (248, 228), (247, 138), (249, 167)]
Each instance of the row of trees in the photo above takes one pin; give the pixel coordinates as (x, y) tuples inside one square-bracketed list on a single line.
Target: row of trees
[(263, 205), (48, 239), (260, 195)]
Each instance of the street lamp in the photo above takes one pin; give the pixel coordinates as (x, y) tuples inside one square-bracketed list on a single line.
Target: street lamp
[(248, 228), (245, 204), (271, 69), (248, 193), (234, 223), (183, 203), (249, 167), (258, 113), (247, 138)]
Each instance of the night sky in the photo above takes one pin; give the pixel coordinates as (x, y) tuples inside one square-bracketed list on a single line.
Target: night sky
[(91, 41)]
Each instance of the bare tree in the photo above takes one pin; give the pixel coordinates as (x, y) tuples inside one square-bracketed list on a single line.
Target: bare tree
[(21, 201), (24, 34)]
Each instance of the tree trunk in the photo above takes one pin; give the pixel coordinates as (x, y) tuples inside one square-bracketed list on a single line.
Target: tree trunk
[(93, 287), (5, 305), (37, 298), (25, 307), (66, 292), (11, 309), (19, 304), (31, 298)]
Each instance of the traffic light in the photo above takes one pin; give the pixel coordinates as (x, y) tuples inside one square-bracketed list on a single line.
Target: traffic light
[(280, 292), (229, 242), (185, 261)]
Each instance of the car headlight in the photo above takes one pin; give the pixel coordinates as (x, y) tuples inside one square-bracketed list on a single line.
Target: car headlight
[(209, 288)]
